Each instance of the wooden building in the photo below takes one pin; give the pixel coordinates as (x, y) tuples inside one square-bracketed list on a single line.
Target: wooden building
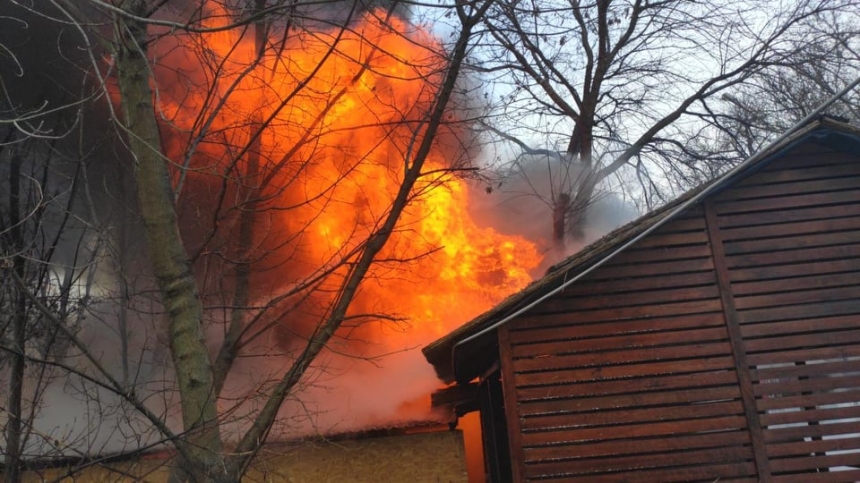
[(716, 339)]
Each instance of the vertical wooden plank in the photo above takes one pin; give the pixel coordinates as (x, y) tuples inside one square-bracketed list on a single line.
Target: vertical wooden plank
[(737, 343), (509, 390)]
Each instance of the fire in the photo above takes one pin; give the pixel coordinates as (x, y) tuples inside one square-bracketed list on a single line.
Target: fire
[(342, 112)]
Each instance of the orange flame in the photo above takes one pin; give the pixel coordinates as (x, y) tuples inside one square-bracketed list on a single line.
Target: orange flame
[(339, 114)]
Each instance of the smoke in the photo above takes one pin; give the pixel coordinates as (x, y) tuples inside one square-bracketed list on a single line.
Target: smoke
[(520, 201), (342, 393), (76, 417)]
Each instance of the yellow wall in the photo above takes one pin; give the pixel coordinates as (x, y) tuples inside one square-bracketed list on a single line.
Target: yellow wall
[(436, 457)]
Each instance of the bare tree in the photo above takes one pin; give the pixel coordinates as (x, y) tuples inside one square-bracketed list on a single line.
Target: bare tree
[(767, 105), (618, 84)]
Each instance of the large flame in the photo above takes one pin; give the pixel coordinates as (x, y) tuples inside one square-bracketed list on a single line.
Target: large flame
[(343, 111)]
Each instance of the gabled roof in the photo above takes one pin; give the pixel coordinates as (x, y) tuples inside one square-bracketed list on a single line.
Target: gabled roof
[(469, 350)]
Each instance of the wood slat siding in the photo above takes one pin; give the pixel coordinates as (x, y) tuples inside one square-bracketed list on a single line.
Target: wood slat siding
[(636, 383), (630, 374), (791, 236)]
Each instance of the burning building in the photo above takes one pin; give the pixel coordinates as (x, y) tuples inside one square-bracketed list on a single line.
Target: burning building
[(715, 339)]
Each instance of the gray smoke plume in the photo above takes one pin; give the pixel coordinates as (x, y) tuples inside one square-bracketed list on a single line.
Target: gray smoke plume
[(520, 201)]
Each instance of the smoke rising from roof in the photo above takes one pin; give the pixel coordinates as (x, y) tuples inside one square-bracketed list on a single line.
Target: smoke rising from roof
[(521, 202)]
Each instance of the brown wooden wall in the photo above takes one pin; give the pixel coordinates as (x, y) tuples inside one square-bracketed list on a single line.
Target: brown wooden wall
[(725, 345)]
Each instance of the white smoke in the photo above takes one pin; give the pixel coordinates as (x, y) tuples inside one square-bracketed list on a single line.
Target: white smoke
[(521, 202)]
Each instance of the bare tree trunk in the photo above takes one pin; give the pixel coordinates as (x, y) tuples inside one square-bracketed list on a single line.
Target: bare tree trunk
[(19, 322), (577, 209), (560, 206), (169, 260)]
